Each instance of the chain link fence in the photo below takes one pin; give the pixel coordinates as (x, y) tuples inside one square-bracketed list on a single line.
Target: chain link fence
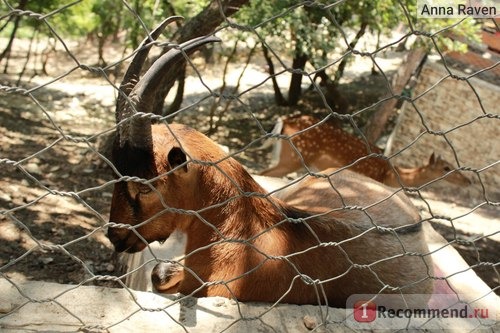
[(57, 177)]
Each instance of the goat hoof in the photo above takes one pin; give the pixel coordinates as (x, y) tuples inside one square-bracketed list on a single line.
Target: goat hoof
[(166, 277)]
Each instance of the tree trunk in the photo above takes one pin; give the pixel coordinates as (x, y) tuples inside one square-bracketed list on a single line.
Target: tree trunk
[(278, 96), (378, 121), (101, 40), (28, 55), (179, 95), (295, 90), (340, 70), (8, 48), (209, 18), (216, 102), (237, 87), (45, 56)]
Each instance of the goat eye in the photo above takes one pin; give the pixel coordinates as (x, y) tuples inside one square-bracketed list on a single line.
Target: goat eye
[(144, 189), (447, 169)]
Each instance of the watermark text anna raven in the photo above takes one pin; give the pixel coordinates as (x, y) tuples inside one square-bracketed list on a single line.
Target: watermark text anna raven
[(458, 9)]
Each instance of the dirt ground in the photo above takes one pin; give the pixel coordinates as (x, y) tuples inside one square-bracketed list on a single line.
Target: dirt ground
[(55, 187)]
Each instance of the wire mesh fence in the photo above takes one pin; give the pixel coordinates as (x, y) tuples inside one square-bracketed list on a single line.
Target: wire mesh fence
[(315, 237)]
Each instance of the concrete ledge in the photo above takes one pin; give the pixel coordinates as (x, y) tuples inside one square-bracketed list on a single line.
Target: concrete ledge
[(41, 306), (49, 307)]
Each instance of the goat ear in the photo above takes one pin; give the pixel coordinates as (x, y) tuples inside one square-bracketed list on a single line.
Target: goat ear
[(177, 157), (432, 159)]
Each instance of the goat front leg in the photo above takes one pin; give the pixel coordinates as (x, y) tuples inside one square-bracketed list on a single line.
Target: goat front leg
[(167, 277)]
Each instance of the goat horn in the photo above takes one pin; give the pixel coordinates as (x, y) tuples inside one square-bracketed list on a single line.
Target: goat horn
[(161, 73), (134, 69), (131, 76)]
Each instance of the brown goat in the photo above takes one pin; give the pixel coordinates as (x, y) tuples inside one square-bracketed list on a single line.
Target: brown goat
[(242, 243), (328, 146)]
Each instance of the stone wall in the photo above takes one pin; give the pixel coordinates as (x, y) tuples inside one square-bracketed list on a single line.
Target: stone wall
[(456, 108)]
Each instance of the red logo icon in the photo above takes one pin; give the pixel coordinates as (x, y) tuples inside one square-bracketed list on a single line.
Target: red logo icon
[(365, 311)]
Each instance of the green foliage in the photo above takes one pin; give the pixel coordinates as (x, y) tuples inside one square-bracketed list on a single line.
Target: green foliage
[(316, 29), (449, 34), (313, 28), (102, 18), (188, 9)]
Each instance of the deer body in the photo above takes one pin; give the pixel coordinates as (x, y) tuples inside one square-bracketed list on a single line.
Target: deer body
[(240, 241), (328, 146)]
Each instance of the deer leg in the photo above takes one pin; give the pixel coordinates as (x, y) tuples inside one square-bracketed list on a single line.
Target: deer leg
[(288, 162), (285, 159), (280, 170)]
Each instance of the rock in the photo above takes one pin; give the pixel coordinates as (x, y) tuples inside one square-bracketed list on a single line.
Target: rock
[(47, 260), (309, 322), (33, 168), (5, 197)]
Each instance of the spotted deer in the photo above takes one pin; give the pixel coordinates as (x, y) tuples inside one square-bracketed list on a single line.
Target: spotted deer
[(242, 243), (325, 145)]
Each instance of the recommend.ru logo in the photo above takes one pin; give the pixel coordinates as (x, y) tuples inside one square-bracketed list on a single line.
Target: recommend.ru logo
[(404, 311)]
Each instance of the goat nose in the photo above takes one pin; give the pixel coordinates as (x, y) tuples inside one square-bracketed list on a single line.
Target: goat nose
[(118, 237), (116, 234)]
